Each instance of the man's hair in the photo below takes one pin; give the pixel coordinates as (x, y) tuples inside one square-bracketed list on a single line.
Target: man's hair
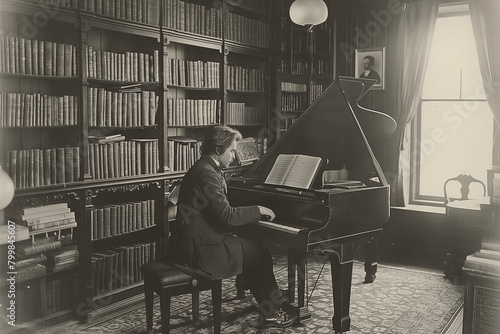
[(218, 139), (371, 59)]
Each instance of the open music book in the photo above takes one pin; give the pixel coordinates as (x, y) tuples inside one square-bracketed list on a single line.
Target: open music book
[(294, 170)]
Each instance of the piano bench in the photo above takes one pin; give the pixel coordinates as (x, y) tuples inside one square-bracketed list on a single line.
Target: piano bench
[(169, 280)]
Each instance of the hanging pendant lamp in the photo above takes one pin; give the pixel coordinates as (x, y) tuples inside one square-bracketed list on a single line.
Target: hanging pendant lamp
[(308, 13)]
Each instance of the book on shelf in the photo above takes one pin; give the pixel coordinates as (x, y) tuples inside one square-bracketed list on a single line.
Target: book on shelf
[(30, 272), (39, 258), (47, 219), (21, 217), (246, 151), (39, 246), (35, 210), (488, 254), (294, 170), (474, 263), (53, 226), (65, 258), (106, 139)]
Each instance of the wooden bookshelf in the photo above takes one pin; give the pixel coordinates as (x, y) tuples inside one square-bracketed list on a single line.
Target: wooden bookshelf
[(304, 66), (103, 106)]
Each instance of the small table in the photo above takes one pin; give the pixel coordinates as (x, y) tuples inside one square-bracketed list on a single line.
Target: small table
[(467, 222)]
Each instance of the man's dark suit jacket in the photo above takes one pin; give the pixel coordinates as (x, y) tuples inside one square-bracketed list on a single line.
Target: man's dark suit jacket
[(200, 235)]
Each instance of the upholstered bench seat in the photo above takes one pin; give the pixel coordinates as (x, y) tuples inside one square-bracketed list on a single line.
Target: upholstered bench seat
[(169, 280)]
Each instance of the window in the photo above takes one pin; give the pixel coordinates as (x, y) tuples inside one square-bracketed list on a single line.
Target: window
[(453, 130)]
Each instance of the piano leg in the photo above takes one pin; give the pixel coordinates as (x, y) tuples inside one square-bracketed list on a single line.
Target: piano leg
[(371, 249), (297, 272), (341, 280)]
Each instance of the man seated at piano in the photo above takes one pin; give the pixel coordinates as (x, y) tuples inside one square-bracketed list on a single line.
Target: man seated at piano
[(200, 236)]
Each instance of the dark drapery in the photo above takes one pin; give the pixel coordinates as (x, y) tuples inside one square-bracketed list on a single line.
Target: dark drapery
[(412, 32), (485, 17)]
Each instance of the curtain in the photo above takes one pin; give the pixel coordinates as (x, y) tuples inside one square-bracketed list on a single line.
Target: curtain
[(485, 17), (412, 34)]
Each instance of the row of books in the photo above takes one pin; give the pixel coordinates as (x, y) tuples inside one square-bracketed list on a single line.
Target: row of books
[(56, 3), (45, 298), (19, 55), (247, 31), (261, 143), (60, 293), (294, 66), (293, 102), (123, 158), (293, 87), (319, 66), (238, 113), (41, 167), (190, 112), (194, 18), (192, 73), (21, 110), (127, 66), (301, 66), (183, 152), (246, 79), (119, 267), (121, 109), (315, 92), (130, 10), (286, 123), (117, 219)]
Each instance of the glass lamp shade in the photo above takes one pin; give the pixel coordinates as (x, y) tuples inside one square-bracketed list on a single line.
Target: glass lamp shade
[(6, 189), (308, 12)]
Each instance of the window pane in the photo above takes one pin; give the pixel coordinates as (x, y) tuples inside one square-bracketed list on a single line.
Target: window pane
[(453, 69), (456, 137)]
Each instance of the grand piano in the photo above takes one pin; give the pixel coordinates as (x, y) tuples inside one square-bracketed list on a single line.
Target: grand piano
[(330, 223)]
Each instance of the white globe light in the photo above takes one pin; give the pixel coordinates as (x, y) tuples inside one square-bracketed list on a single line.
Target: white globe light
[(308, 12), (6, 189)]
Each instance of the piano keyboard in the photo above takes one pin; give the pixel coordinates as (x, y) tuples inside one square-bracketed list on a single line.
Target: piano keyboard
[(280, 227)]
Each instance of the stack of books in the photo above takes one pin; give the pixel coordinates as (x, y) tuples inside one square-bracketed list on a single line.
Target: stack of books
[(65, 258), (42, 218), (484, 261)]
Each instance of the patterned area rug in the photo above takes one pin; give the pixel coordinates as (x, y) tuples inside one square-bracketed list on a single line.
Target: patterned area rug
[(400, 301)]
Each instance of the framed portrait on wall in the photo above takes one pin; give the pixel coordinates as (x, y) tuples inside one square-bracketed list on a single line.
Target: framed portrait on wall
[(370, 63)]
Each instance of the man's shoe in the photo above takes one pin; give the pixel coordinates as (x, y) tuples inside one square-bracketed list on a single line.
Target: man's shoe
[(280, 319)]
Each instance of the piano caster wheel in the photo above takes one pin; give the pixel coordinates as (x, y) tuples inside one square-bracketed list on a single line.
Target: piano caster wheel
[(369, 278)]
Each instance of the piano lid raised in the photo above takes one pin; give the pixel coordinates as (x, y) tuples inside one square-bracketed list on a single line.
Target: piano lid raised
[(328, 129)]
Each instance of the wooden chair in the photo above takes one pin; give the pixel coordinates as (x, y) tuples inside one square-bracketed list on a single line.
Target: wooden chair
[(465, 182), (463, 221), (168, 279)]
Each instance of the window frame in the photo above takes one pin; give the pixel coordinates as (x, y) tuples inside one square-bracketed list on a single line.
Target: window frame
[(415, 197)]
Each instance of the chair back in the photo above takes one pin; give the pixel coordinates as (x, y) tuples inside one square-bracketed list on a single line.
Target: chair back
[(459, 188)]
